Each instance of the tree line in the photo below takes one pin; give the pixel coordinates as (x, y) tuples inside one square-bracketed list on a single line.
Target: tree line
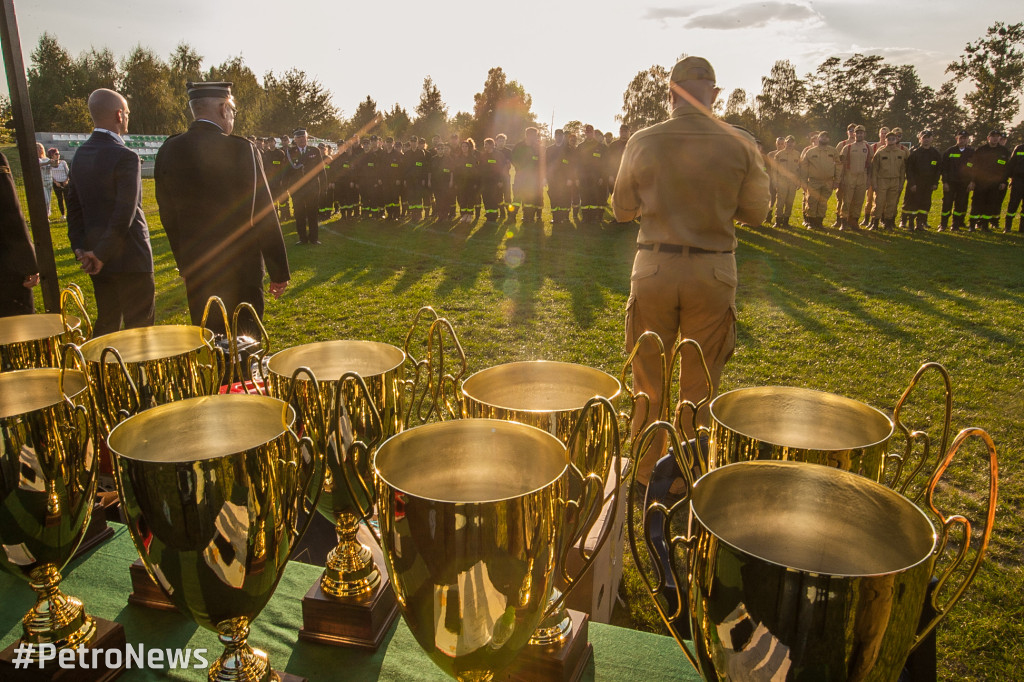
[(864, 89)]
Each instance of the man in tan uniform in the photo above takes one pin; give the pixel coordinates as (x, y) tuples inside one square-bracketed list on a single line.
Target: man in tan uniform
[(784, 167), (870, 196), (888, 173), (780, 144), (851, 137), (688, 178), (819, 174), (854, 160)]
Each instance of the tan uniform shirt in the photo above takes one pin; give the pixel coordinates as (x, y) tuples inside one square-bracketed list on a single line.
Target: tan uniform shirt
[(820, 164), (889, 163), (787, 161), (690, 177), (855, 157)]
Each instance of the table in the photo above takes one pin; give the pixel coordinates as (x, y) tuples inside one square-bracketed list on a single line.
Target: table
[(101, 580)]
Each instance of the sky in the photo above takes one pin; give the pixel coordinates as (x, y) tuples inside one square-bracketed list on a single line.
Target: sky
[(574, 58)]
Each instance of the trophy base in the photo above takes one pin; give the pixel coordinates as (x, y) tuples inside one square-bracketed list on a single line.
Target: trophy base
[(109, 635), (565, 663), (145, 592), (96, 533), (288, 677), (360, 623)]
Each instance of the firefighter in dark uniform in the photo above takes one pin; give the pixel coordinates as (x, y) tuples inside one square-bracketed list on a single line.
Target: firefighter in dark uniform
[(368, 171), (217, 209), (391, 178), (614, 154), (275, 164), (467, 181), (923, 170), (988, 171), (345, 191), (1016, 205), (592, 175), (561, 174), (442, 183), (502, 148), (529, 187), (575, 204), (307, 181), (417, 176), (327, 195), (492, 180), (955, 182)]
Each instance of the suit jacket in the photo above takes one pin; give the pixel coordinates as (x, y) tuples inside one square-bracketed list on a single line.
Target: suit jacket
[(105, 205), (17, 253), (219, 216), (307, 174)]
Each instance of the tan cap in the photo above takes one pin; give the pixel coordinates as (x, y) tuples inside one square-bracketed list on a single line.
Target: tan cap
[(692, 69)]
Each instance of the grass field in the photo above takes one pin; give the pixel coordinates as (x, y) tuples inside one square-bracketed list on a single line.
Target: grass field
[(855, 314)]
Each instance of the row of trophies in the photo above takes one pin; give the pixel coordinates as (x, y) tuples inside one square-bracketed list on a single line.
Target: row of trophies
[(476, 491)]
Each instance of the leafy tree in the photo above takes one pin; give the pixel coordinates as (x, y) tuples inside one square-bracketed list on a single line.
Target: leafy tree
[(95, 69), (462, 124), (431, 112), (146, 86), (73, 116), (51, 79), (945, 116), (185, 65), (995, 66), (574, 127), (366, 120), (250, 97), (645, 101), (502, 107), (397, 122), (294, 99), (857, 90), (781, 102)]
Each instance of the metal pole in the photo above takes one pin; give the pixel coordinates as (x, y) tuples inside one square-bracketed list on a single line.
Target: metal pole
[(25, 133)]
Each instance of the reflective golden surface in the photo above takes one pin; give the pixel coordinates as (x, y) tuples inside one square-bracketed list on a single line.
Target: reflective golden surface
[(28, 341), (471, 513), (47, 484), (360, 390), (214, 490), (799, 424), (151, 366)]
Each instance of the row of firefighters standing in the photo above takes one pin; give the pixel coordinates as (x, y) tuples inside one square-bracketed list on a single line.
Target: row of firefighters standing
[(878, 173)]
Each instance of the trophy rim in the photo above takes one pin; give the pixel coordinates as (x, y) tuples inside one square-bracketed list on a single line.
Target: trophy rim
[(803, 392), (509, 366), (35, 327), (283, 356), (496, 424), (40, 374), (139, 422), (816, 471), (92, 350)]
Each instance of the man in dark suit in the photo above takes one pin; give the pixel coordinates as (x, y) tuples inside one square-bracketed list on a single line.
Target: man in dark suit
[(18, 269), (308, 180), (106, 225), (217, 209)]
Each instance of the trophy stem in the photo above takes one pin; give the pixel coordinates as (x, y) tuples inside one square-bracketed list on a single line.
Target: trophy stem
[(239, 662), (475, 676), (556, 628), (350, 570), (56, 618)]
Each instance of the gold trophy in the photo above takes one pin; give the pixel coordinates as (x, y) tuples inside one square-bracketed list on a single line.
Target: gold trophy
[(474, 514), (791, 571), (28, 341), (361, 385), (553, 396), (215, 493), (47, 488), (799, 424)]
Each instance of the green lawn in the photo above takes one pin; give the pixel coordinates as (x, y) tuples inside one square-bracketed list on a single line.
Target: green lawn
[(854, 314)]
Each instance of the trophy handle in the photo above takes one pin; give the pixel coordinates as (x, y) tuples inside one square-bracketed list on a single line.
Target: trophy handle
[(309, 487), (135, 400), (76, 412), (900, 461), (418, 367), (256, 357), (949, 523), (583, 513), (694, 408), (634, 397), (433, 398), (359, 451), (650, 569), (72, 292)]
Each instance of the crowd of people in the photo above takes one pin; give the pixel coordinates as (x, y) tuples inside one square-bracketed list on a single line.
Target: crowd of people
[(869, 178), (418, 179)]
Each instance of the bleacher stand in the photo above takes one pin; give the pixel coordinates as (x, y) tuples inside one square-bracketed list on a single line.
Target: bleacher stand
[(146, 146)]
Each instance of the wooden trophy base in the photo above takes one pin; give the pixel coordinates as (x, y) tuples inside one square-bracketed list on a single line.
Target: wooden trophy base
[(96, 533), (145, 592), (565, 663), (109, 635), (360, 623)]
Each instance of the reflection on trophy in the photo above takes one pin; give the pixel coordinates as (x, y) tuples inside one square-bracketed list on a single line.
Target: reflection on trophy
[(553, 396), (361, 391), (793, 571), (47, 487), (214, 490), (28, 341)]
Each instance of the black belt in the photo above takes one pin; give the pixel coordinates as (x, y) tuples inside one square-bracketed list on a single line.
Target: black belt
[(675, 248)]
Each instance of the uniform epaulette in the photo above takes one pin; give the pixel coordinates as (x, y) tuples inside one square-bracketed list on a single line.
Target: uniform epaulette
[(741, 128)]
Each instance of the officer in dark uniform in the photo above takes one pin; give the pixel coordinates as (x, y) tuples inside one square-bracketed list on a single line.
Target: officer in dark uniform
[(1016, 205), (592, 176), (923, 170), (529, 187), (307, 181), (988, 172), (217, 209), (955, 183), (561, 173), (279, 186)]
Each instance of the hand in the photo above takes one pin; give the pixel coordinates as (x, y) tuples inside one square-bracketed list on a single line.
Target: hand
[(277, 288), (91, 265), (31, 281)]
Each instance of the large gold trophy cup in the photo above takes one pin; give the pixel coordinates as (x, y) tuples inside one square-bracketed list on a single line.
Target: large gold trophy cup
[(28, 341), (47, 487), (360, 390), (215, 493), (791, 571)]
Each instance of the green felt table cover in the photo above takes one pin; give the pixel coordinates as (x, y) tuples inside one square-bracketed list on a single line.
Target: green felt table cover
[(101, 580)]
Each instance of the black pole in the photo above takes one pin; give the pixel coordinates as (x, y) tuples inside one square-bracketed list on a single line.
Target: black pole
[(25, 133)]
